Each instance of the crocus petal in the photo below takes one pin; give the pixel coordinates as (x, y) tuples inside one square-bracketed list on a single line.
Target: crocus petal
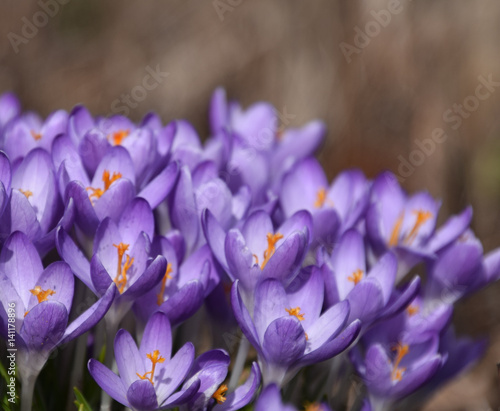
[(100, 277), (384, 272), (417, 203), (72, 255), (108, 381), (218, 110), (299, 221), (408, 294), (284, 341), (449, 231), (243, 317), (184, 303), (90, 317), (19, 215), (44, 325), (142, 395), (128, 358), (79, 122), (175, 372), (157, 336), (19, 260), (328, 326), (116, 160), (158, 189), (243, 394), (136, 217), (181, 397), (115, 199), (270, 399), (347, 258), (58, 278), (366, 300), (271, 303), (147, 280), (333, 347), (239, 257), (85, 216), (215, 236), (92, 148), (255, 230), (256, 125)]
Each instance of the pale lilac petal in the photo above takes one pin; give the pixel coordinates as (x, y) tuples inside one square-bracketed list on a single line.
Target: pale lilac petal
[(271, 303), (142, 395), (136, 217), (449, 231), (129, 360), (58, 278), (108, 381), (158, 189), (328, 326), (243, 394), (284, 341)]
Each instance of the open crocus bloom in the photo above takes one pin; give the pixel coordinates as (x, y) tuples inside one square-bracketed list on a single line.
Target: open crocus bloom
[(287, 328), (407, 225), (43, 300), (149, 375), (370, 294), (335, 208)]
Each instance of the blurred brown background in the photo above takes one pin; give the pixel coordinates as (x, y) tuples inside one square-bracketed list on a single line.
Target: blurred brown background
[(379, 96)]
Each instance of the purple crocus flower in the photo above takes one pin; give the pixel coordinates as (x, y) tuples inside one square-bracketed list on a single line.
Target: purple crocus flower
[(120, 256), (184, 285), (211, 369), (199, 190), (334, 208), (270, 399), (111, 188), (34, 206), (369, 292), (42, 300), (461, 269), (287, 328), (257, 250), (149, 375), (407, 224), (396, 362), (29, 131)]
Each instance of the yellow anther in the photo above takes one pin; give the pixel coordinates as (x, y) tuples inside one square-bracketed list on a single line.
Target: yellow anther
[(412, 310), (167, 275), (272, 239), (27, 193), (394, 240), (422, 217), (40, 294), (219, 394), (107, 180), (321, 198), (118, 136), (36, 136), (295, 312), (122, 271), (401, 351), (356, 276), (155, 358)]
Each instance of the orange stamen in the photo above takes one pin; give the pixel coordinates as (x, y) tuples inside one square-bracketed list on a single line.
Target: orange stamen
[(295, 312), (107, 180), (42, 295), (122, 271), (272, 239), (27, 193), (394, 240), (412, 310), (219, 394), (321, 198), (422, 217), (356, 276), (401, 351), (36, 136), (167, 275), (118, 136), (155, 358), (312, 406)]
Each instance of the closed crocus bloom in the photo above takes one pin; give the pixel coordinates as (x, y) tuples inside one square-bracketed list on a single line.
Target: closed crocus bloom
[(210, 369), (370, 292), (407, 224), (287, 327), (335, 208), (257, 250), (29, 131), (149, 376), (35, 206), (43, 300)]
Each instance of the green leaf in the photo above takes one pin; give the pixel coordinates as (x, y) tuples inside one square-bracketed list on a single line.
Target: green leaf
[(80, 402)]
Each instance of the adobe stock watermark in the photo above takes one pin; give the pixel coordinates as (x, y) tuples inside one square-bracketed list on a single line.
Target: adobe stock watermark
[(11, 352), (40, 19), (138, 93), (453, 117), (222, 7), (362, 38)]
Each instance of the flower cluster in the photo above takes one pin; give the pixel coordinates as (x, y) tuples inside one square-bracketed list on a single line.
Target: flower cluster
[(241, 236)]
